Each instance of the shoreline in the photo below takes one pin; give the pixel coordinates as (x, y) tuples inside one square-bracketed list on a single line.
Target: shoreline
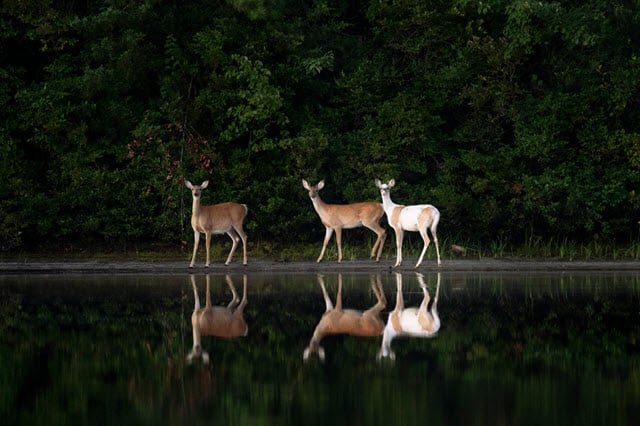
[(269, 266)]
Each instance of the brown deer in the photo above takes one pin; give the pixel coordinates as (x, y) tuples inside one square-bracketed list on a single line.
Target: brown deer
[(419, 218), (337, 320), (224, 218), (422, 321), (336, 217), (219, 321)]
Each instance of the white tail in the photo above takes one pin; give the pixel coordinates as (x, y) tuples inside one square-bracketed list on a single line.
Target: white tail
[(415, 322), (419, 218), (335, 217), (224, 218), (337, 320), (218, 321)]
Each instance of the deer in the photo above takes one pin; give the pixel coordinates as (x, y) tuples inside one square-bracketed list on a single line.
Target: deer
[(337, 320), (419, 218), (336, 217), (422, 321), (224, 218), (218, 321)]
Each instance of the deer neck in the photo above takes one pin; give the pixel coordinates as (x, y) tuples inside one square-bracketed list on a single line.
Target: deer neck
[(387, 337), (318, 204), (320, 332), (195, 206), (387, 204)]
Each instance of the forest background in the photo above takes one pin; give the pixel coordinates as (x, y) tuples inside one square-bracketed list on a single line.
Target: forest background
[(519, 120)]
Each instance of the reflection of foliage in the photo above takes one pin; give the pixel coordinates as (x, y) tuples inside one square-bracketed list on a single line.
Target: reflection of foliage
[(73, 353)]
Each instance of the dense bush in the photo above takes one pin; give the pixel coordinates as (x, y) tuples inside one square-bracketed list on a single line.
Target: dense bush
[(517, 119)]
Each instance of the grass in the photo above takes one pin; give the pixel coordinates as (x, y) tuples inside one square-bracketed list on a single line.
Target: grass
[(533, 248)]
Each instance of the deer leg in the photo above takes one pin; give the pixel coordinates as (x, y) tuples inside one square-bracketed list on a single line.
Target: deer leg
[(327, 299), (429, 320), (196, 349), (234, 241), (243, 236), (399, 298), (425, 238), (434, 307), (327, 237), (339, 242), (207, 245), (427, 297), (382, 235), (234, 295), (435, 240), (399, 238), (393, 327), (382, 301), (195, 293), (375, 245), (238, 323), (433, 226), (196, 240), (243, 302), (339, 295), (208, 300)]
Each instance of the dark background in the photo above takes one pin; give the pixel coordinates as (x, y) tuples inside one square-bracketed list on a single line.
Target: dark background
[(519, 120)]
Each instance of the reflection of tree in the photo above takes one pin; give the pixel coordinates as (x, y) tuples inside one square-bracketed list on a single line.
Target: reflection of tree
[(537, 328), (74, 352)]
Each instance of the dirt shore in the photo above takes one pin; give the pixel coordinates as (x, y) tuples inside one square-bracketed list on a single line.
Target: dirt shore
[(266, 266)]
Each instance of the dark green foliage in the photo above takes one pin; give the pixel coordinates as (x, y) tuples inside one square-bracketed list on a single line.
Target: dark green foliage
[(517, 119)]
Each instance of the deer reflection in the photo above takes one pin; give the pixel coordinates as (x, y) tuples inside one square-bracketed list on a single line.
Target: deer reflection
[(337, 320), (218, 321), (422, 321)]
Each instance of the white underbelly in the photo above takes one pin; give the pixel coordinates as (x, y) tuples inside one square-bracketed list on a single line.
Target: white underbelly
[(412, 327)]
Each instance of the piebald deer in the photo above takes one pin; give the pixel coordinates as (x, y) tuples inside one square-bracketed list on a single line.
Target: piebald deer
[(224, 218), (335, 217), (422, 321), (419, 218), (337, 320), (218, 321)]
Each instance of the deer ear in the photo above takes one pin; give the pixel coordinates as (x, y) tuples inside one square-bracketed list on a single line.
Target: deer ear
[(204, 184), (305, 184), (378, 183), (188, 184), (321, 184), (392, 183)]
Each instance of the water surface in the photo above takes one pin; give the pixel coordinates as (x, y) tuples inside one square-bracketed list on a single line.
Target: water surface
[(536, 348)]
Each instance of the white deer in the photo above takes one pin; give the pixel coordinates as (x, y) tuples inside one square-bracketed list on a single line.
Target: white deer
[(336, 217), (418, 218), (422, 321), (227, 322), (224, 218), (337, 320)]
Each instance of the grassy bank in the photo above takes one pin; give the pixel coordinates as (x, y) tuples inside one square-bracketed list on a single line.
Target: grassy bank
[(449, 248)]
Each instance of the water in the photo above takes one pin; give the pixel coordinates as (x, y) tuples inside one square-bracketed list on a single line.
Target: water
[(537, 348)]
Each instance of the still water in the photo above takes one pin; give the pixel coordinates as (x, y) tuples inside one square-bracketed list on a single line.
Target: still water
[(502, 348)]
